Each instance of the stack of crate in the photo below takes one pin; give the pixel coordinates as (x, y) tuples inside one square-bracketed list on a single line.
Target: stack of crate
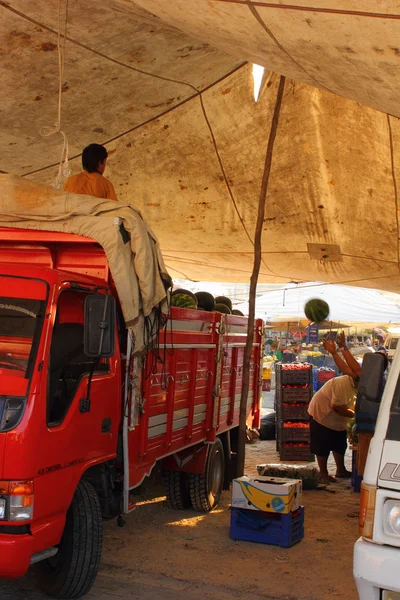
[(294, 389), (267, 510)]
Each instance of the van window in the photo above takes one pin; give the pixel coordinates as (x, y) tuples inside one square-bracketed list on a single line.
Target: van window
[(393, 343)]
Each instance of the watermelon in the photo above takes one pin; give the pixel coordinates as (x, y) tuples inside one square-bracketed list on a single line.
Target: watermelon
[(224, 300), (316, 310), (237, 312), (183, 301), (205, 301), (222, 308), (187, 292)]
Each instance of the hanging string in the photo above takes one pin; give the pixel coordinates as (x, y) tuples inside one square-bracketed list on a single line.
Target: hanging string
[(63, 167)]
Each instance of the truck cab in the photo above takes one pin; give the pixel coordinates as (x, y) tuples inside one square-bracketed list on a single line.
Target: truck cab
[(377, 552)]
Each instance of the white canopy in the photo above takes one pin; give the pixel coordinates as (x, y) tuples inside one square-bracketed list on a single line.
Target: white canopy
[(347, 305)]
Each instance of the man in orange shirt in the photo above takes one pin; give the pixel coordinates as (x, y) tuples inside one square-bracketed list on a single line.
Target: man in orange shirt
[(91, 181)]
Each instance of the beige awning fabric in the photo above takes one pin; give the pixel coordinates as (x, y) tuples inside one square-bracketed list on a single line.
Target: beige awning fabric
[(137, 267), (164, 86)]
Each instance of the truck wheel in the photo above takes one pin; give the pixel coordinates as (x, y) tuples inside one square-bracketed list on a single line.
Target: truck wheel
[(72, 571), (177, 490), (206, 489)]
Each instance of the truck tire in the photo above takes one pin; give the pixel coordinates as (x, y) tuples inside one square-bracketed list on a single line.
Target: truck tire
[(206, 489), (72, 571), (177, 490)]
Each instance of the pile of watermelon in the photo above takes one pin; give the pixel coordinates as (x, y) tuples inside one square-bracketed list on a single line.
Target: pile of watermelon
[(203, 301)]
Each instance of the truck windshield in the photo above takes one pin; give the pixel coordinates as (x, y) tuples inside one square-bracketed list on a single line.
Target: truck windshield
[(20, 322)]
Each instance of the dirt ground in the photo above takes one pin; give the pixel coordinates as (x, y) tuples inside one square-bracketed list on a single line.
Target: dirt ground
[(162, 554), (196, 548)]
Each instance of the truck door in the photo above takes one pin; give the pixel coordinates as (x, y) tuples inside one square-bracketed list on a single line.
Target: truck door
[(79, 428)]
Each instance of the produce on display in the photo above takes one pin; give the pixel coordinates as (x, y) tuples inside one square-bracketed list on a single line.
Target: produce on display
[(222, 308), (293, 394), (224, 300), (183, 300), (205, 301), (237, 312)]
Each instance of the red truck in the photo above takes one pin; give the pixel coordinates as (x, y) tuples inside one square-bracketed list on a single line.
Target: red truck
[(83, 421)]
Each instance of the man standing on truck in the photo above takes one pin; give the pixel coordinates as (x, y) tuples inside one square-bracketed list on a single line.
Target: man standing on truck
[(91, 180), (330, 410)]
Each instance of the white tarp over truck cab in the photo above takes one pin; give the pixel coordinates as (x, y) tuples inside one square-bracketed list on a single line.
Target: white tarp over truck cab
[(134, 256), (187, 141)]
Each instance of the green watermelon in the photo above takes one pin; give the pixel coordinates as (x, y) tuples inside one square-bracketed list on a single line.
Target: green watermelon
[(183, 301), (224, 300), (316, 310), (222, 308), (237, 312), (187, 292), (205, 301)]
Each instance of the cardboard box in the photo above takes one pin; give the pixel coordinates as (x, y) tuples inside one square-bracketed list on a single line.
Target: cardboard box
[(270, 494)]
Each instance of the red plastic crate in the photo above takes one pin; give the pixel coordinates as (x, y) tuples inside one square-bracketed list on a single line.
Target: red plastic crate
[(293, 453), (296, 434), (295, 412), (296, 394)]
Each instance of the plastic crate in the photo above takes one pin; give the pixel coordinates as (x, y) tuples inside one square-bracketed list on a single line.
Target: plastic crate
[(294, 412), (295, 394), (293, 453), (296, 376), (267, 528), (298, 434), (356, 479)]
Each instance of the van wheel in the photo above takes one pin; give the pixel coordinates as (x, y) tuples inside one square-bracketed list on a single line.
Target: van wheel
[(177, 490), (206, 489), (72, 571)]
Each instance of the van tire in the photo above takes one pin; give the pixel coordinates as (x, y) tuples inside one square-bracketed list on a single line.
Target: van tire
[(206, 489), (72, 571), (177, 490)]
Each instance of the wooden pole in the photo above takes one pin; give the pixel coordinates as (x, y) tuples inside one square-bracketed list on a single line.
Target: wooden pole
[(254, 278)]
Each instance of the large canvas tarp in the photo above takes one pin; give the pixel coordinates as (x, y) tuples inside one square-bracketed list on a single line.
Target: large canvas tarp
[(133, 254), (169, 95)]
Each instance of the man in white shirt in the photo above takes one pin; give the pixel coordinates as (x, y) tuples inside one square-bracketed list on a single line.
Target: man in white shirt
[(330, 410)]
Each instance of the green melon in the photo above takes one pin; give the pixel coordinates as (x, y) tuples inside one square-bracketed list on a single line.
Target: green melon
[(224, 300), (222, 308), (205, 301), (316, 310), (237, 312), (183, 301), (187, 292)]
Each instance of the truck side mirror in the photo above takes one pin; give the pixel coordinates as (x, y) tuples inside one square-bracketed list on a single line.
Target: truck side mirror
[(372, 382), (99, 326)]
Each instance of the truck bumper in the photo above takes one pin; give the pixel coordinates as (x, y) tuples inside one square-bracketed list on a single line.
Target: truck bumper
[(15, 553), (16, 550), (375, 569)]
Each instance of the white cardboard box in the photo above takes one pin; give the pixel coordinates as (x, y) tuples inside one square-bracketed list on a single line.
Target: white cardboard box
[(270, 494)]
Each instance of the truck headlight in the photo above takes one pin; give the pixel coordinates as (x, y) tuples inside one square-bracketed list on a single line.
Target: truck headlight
[(2, 508), (391, 520), (18, 500)]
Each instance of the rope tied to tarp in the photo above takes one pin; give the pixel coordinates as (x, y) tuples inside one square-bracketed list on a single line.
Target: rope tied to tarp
[(47, 131)]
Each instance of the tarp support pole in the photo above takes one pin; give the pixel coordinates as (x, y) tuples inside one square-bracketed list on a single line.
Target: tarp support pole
[(254, 278)]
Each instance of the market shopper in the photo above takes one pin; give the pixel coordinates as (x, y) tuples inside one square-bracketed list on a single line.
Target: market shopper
[(330, 410), (91, 180)]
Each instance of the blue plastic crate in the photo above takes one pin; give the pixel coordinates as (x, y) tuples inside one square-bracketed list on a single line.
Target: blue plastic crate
[(267, 528), (356, 479)]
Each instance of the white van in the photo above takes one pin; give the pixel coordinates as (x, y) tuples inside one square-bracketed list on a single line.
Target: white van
[(391, 344), (377, 552)]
